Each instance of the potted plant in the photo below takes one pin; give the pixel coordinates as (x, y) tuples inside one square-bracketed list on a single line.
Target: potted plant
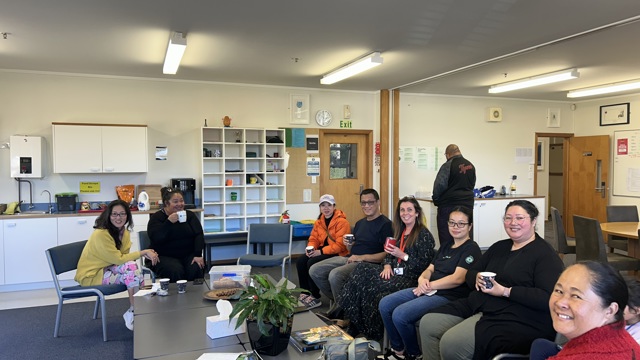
[(268, 310)]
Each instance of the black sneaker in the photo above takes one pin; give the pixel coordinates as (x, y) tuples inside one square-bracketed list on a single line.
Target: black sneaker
[(310, 302), (412, 357), (391, 355)]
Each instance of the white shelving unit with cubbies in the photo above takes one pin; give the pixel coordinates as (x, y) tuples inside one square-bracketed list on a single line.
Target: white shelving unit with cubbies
[(243, 178)]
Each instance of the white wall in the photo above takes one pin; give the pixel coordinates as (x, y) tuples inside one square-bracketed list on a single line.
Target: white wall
[(173, 110), (438, 121)]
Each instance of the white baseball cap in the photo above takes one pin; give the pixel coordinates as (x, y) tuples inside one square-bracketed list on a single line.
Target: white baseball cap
[(327, 198)]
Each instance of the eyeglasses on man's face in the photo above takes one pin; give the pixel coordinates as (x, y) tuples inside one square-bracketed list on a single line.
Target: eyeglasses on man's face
[(518, 219), (119, 215), (454, 224), (368, 203)]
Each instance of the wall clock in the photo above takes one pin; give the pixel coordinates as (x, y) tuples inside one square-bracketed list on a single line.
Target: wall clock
[(324, 117)]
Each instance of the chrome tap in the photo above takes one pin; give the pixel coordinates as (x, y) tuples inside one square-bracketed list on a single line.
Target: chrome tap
[(50, 204)]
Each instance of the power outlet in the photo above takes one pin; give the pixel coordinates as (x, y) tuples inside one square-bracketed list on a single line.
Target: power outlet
[(306, 195)]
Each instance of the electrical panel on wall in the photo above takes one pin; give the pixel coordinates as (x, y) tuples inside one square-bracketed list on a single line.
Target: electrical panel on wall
[(26, 153)]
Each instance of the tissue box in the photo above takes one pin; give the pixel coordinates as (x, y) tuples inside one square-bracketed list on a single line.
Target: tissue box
[(230, 276), (219, 326)]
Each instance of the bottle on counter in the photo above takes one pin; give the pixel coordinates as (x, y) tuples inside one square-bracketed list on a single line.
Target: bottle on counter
[(512, 187)]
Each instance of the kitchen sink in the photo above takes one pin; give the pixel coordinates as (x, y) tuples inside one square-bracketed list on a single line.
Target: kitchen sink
[(32, 212)]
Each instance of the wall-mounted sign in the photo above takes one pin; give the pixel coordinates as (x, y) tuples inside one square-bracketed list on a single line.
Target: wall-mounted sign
[(313, 166), (346, 124), (313, 145), (89, 187)]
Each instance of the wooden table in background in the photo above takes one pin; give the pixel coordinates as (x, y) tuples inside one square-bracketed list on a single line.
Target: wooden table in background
[(624, 229)]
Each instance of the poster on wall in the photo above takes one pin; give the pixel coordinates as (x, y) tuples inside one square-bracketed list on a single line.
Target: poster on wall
[(313, 145), (313, 166)]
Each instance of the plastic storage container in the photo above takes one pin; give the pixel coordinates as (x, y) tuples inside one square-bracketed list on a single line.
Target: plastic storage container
[(302, 229), (66, 201), (229, 276)]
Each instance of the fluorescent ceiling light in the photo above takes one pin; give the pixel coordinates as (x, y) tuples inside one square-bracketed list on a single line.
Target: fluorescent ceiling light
[(356, 67), (535, 81), (175, 50), (605, 89)]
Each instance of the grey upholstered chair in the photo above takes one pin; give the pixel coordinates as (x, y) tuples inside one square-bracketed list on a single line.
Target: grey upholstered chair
[(590, 245), (63, 258), (560, 243), (620, 213), (144, 242), (260, 241)]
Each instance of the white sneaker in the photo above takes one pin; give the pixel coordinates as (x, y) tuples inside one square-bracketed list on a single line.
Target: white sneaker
[(128, 319)]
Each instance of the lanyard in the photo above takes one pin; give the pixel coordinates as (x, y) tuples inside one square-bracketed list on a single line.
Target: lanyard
[(402, 244)]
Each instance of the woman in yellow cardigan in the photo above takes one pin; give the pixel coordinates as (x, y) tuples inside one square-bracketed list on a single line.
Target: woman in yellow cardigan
[(326, 240), (106, 258)]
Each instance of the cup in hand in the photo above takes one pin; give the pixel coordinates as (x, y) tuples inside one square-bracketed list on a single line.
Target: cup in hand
[(309, 249), (349, 239), (164, 287), (487, 276), (390, 241), (182, 286), (182, 216)]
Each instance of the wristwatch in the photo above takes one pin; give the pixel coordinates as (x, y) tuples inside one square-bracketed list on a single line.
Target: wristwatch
[(406, 257)]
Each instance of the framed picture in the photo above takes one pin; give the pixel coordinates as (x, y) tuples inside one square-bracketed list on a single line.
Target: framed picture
[(616, 114), (299, 109)]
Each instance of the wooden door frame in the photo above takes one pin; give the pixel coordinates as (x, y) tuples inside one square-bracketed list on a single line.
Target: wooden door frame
[(565, 166), (369, 151)]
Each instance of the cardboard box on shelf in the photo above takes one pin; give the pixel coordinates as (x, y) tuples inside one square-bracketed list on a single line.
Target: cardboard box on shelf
[(153, 190)]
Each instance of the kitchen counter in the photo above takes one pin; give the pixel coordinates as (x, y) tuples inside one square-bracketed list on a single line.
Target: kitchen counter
[(72, 214)]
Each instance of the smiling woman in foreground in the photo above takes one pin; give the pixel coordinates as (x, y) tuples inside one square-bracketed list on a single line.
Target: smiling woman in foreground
[(587, 306)]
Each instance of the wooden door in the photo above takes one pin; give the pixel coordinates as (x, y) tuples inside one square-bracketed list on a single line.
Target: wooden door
[(345, 168), (588, 179)]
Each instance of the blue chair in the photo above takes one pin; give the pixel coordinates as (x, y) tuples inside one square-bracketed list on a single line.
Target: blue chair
[(65, 258), (260, 241), (144, 242)]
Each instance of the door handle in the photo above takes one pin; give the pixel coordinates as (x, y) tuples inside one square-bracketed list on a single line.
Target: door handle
[(602, 189), (361, 188)]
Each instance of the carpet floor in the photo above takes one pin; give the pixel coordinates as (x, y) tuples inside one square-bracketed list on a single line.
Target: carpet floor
[(28, 333)]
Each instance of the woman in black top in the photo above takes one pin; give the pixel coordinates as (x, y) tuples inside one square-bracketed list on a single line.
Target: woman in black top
[(178, 244), (505, 317)]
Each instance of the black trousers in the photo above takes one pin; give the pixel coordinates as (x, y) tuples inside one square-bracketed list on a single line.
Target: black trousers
[(177, 268), (303, 264)]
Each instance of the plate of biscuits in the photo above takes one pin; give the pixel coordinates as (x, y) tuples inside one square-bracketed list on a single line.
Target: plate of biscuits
[(223, 294)]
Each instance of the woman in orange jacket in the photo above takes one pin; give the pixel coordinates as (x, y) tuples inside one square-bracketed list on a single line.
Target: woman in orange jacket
[(326, 240)]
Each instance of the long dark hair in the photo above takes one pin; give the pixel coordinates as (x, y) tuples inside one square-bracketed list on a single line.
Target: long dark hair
[(399, 225), (104, 221)]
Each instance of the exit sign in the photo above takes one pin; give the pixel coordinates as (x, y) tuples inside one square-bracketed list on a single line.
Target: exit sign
[(346, 124)]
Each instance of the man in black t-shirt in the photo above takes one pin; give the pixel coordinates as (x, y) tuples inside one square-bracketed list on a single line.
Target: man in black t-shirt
[(453, 187), (370, 233)]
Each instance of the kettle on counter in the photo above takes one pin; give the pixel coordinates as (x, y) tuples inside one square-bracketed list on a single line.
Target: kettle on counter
[(143, 201)]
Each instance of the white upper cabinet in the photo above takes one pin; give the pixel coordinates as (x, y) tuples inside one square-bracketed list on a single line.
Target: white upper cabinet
[(86, 148)]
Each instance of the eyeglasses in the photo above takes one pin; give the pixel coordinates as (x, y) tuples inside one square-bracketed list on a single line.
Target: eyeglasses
[(454, 224), (518, 219), (367, 203), (118, 215)]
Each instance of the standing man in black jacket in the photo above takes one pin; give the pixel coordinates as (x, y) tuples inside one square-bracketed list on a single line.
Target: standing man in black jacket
[(453, 187)]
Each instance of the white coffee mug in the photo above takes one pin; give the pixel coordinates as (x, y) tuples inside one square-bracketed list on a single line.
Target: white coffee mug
[(182, 216)]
